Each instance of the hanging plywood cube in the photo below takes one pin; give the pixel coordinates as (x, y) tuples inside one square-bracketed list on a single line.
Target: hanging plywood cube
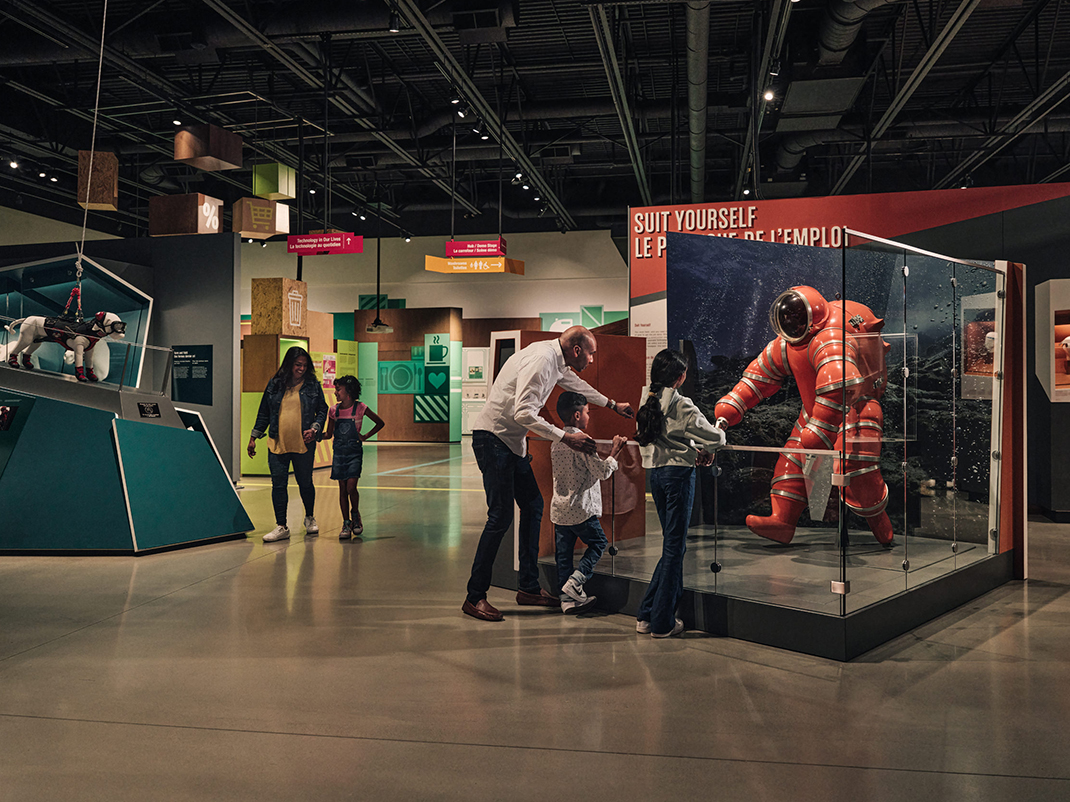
[(254, 218), (208, 147), (274, 181), (102, 192), (280, 306), (282, 218), (184, 214)]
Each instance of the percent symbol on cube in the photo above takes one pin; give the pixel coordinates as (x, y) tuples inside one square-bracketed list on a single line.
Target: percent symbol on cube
[(211, 215)]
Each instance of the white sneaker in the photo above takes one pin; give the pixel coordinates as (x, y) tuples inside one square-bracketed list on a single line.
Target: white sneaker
[(574, 590), (358, 528), (311, 527), (280, 532), (347, 531), (676, 630), (642, 627), (570, 607)]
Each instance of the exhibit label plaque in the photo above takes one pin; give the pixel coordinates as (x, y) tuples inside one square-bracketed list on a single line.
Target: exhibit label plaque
[(191, 375), (331, 242)]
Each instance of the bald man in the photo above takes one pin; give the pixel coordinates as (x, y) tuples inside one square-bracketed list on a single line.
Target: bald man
[(499, 440)]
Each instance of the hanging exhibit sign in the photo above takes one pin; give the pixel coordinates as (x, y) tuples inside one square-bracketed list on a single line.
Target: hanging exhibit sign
[(796, 221), (332, 242), (494, 247), (494, 264)]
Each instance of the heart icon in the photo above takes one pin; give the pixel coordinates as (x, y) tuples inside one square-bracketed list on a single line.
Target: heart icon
[(436, 379)]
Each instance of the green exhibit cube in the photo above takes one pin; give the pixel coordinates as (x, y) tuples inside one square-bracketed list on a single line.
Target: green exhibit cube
[(274, 181)]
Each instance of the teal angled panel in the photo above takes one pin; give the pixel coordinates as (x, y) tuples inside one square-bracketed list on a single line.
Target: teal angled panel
[(61, 490), (343, 325), (177, 490)]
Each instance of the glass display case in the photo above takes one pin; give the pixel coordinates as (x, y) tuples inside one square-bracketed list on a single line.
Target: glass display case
[(866, 464)]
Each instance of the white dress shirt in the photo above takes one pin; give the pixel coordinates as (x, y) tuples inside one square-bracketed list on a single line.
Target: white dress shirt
[(520, 392), (577, 478)]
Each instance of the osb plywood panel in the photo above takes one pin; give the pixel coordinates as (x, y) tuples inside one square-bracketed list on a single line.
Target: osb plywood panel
[(321, 331), (277, 303)]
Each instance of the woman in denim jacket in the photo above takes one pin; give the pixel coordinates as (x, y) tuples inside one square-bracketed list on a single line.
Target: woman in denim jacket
[(292, 413)]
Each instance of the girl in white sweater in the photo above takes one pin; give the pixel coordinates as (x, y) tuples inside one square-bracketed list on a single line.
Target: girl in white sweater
[(673, 434)]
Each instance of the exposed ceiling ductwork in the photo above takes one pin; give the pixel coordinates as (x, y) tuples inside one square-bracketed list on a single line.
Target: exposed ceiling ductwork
[(840, 26), (698, 57)]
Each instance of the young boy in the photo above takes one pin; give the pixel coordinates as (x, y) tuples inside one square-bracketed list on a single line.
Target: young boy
[(577, 503)]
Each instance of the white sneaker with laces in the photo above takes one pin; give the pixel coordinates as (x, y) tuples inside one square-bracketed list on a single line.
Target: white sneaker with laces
[(311, 527), (347, 531), (676, 630), (574, 590), (642, 627), (280, 532), (358, 528)]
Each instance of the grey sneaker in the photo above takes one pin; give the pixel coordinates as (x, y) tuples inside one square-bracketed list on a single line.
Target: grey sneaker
[(347, 531), (358, 528), (311, 527), (574, 590), (280, 532), (642, 627), (676, 630)]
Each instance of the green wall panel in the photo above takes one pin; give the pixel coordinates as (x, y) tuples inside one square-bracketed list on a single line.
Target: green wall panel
[(175, 486), (368, 375), (61, 487), (252, 466)]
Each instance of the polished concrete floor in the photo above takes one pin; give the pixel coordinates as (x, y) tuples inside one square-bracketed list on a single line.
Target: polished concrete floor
[(314, 669)]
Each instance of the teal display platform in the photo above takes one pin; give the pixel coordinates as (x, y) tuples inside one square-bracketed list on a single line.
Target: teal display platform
[(78, 479), (167, 474)]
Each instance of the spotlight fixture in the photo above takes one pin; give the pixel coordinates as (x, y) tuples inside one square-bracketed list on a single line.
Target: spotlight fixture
[(525, 184), (176, 121), (53, 179), (462, 111), (517, 179), (967, 182), (312, 191), (537, 197), (519, 173), (263, 244), (455, 99), (484, 136), (768, 94), (250, 240), (42, 175), (13, 164), (746, 192), (774, 67), (477, 127), (408, 238), (395, 21)]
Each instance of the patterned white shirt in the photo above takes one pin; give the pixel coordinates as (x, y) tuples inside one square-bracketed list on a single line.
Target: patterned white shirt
[(577, 478)]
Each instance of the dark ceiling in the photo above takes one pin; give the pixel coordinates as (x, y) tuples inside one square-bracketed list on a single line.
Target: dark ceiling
[(601, 105)]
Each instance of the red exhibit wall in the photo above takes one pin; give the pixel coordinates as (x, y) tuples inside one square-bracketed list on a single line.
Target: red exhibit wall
[(813, 221)]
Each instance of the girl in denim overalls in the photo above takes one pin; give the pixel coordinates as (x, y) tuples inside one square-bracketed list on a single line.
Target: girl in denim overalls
[(343, 424)]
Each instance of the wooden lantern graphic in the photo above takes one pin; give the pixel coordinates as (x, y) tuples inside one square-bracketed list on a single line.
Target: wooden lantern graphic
[(274, 181), (102, 192), (208, 147)]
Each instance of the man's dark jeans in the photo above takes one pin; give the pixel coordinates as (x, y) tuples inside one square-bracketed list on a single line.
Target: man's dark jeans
[(506, 477)]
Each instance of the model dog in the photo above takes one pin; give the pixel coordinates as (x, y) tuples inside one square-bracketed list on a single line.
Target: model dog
[(75, 336)]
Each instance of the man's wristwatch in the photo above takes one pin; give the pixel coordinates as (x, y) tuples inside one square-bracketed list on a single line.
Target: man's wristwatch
[(612, 405)]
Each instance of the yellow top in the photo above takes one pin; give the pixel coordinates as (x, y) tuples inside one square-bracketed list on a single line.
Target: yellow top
[(290, 440)]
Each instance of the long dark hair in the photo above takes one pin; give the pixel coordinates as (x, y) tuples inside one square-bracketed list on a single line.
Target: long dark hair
[(668, 366), (287, 369), (350, 385)]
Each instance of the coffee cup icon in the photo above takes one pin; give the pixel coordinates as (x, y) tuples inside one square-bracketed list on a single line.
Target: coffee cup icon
[(437, 353)]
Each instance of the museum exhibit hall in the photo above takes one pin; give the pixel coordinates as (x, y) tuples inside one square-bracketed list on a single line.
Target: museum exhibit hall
[(520, 399)]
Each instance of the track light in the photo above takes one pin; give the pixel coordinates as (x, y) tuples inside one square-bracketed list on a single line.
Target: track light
[(525, 184), (537, 197), (477, 127), (768, 94), (13, 164), (774, 67), (462, 111), (395, 21), (408, 238), (263, 244), (54, 180), (176, 121), (250, 240), (519, 173), (455, 99), (312, 191), (746, 192), (42, 175), (484, 136)]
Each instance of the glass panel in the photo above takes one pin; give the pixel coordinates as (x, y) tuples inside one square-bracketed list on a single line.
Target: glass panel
[(942, 321)]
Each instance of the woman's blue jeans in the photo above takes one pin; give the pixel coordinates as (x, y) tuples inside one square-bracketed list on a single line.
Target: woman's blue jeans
[(279, 465), (506, 477), (673, 488)]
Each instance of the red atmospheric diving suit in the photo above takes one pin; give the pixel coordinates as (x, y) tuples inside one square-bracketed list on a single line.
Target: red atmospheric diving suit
[(840, 374)]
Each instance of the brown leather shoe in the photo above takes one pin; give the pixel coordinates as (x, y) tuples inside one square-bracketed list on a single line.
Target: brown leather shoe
[(540, 599), (481, 610)]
